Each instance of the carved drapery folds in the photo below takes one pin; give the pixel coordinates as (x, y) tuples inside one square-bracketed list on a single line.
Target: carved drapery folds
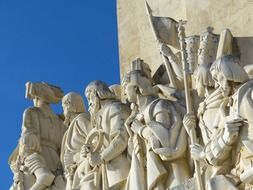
[(188, 126)]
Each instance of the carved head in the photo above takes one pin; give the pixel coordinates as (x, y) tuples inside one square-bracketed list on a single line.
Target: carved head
[(41, 92), (73, 103), (203, 79), (228, 73), (139, 81), (95, 92)]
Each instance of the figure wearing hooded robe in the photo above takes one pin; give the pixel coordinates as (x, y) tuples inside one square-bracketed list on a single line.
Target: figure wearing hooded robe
[(78, 122)]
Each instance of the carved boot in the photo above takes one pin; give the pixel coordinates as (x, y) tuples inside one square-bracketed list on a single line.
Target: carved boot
[(44, 178)]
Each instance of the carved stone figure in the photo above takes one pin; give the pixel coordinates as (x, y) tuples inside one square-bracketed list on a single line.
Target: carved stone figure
[(162, 143), (209, 118), (210, 110), (78, 122), (108, 115), (219, 126), (234, 82), (36, 160), (158, 124), (204, 84)]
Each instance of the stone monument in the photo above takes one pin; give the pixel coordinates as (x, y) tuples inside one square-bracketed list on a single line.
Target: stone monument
[(179, 120)]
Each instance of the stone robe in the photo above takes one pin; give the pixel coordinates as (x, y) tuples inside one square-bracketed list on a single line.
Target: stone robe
[(40, 143), (73, 140), (211, 112), (110, 119), (166, 147), (243, 107)]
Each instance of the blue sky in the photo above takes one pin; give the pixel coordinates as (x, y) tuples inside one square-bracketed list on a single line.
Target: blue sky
[(64, 42)]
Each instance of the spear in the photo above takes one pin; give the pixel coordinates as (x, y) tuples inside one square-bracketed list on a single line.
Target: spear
[(189, 106), (164, 58)]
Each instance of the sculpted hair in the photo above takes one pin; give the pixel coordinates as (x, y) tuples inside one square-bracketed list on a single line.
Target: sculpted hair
[(101, 89), (203, 75), (230, 67), (75, 101)]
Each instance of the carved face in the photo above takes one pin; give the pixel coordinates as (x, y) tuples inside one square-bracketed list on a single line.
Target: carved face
[(223, 83), (139, 84), (94, 102), (36, 101), (130, 92), (65, 106), (66, 112)]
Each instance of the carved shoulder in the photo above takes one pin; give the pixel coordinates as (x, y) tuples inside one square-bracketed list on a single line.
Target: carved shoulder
[(30, 111), (162, 106), (118, 108), (84, 117), (83, 121)]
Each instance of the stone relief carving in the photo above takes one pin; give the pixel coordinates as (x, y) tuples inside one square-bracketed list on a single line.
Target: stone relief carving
[(108, 115), (36, 160), (191, 129), (158, 124), (78, 122)]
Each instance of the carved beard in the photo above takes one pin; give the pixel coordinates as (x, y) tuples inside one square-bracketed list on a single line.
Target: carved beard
[(93, 121), (67, 119), (227, 91), (95, 106), (93, 109)]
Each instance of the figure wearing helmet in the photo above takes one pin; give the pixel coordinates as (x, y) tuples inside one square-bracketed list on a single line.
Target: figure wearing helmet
[(159, 125)]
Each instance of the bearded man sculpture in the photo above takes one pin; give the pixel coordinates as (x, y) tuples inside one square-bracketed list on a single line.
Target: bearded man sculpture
[(108, 115)]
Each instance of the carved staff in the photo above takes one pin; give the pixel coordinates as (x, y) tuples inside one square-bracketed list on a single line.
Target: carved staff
[(164, 58), (189, 106)]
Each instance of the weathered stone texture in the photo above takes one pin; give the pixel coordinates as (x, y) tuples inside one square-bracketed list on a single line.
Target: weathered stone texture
[(136, 38)]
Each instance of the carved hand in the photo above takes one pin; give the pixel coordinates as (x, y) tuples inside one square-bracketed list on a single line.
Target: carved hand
[(189, 122), (232, 130), (95, 159), (85, 151), (131, 118), (136, 126), (197, 152)]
